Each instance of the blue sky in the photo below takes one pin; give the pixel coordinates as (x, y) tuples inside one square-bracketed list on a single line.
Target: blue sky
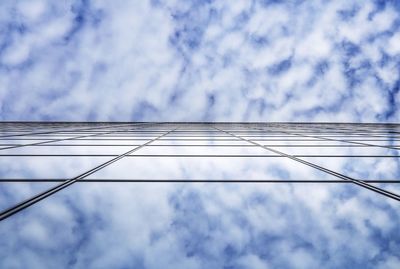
[(201, 61)]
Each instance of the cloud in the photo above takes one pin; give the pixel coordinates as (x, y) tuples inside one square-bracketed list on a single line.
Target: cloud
[(99, 225), (159, 60), (192, 61)]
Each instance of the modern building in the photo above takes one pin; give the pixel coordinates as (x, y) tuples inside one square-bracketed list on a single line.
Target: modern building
[(198, 195), (207, 152)]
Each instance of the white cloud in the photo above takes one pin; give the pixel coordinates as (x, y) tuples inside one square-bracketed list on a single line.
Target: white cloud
[(163, 60), (32, 10)]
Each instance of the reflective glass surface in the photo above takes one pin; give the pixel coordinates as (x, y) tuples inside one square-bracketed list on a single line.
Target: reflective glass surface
[(188, 195)]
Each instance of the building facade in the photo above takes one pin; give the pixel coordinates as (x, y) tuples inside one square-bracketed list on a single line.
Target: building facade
[(57, 155), (199, 195)]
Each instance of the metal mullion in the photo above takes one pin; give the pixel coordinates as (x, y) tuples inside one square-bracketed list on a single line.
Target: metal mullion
[(162, 145), (197, 145), (202, 155), (106, 180), (323, 169), (62, 139), (31, 201)]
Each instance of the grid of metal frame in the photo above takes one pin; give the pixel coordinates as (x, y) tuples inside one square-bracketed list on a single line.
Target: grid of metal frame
[(317, 146)]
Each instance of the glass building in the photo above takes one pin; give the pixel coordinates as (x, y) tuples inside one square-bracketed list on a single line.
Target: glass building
[(93, 194)]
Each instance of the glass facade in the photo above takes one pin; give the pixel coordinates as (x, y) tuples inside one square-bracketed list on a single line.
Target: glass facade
[(142, 182)]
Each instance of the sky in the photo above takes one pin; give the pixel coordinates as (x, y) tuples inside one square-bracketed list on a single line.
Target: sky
[(200, 60), (193, 60)]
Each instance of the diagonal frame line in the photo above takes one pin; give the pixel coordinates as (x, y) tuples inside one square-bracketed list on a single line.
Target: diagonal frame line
[(323, 169), (33, 200)]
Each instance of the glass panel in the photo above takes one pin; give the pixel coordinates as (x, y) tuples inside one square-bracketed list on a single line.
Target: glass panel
[(192, 134), (12, 193), (202, 150), (361, 150), (44, 149), (115, 138), (391, 187), (44, 137), (117, 226), (200, 138), (361, 168), (90, 142), (210, 168), (305, 143), (382, 142), (20, 141), (128, 137), (200, 142), (47, 167), (330, 224)]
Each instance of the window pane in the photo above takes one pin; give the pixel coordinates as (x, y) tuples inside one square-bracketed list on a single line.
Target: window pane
[(210, 168), (361, 168), (97, 222)]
